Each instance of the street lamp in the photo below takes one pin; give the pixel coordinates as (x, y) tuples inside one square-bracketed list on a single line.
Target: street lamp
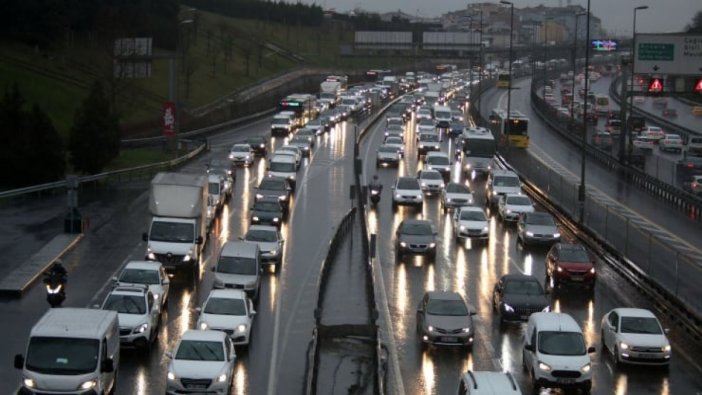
[(508, 126), (575, 59), (543, 92), (633, 62), (481, 55), (581, 190)]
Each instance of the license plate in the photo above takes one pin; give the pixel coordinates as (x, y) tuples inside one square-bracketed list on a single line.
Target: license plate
[(648, 356), (196, 386), (449, 339), (565, 381), (577, 278)]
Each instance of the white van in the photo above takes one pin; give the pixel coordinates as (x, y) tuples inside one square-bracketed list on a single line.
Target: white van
[(488, 383), (443, 116), (283, 166), (71, 349), (555, 354), (238, 267)]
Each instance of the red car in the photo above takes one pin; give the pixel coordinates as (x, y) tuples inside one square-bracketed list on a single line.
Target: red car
[(570, 263)]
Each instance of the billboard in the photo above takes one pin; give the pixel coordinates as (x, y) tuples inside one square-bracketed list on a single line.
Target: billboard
[(604, 45), (450, 40), (383, 40), (676, 54)]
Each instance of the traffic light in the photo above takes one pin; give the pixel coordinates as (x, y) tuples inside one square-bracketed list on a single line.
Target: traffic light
[(698, 86), (655, 85)]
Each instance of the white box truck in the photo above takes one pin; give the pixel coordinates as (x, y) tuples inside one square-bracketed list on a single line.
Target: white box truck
[(178, 229), (329, 92), (71, 350)]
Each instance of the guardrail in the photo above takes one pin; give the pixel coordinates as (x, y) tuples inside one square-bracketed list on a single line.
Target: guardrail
[(119, 175)]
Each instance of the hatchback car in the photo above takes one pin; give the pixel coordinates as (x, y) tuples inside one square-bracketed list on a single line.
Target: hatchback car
[(517, 296), (138, 313), (387, 155), (241, 154), (270, 244), (425, 125), (397, 142), (267, 210), (202, 362), (149, 273), (431, 181), (456, 195), (229, 311), (570, 263), (428, 142), (440, 162), (511, 207), (471, 222), (444, 318), (415, 237), (407, 192), (537, 228), (635, 336)]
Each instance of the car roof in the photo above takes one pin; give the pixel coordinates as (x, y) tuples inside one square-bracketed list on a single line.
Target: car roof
[(501, 172), (557, 322), (206, 335), (428, 171), (135, 289), (570, 246), (269, 228), (634, 312), (282, 158), (227, 294), (442, 154), (143, 265), (239, 248)]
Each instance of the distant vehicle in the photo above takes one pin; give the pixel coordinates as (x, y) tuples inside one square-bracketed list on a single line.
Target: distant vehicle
[(241, 154), (601, 104), (537, 228), (147, 273), (202, 361), (456, 195), (671, 142), (229, 311), (602, 140), (478, 150), (428, 142), (470, 222), (431, 181), (570, 263), (388, 155), (653, 132), (504, 80), (517, 296), (501, 183), (270, 244), (415, 237), (512, 206), (514, 129), (444, 318), (139, 314)]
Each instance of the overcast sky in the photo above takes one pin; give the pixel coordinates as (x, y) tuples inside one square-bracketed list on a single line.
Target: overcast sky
[(617, 15)]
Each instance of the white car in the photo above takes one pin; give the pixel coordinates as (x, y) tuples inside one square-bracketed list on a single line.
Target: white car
[(406, 192), (292, 151), (202, 362), (138, 314), (424, 113), (270, 243), (396, 142), (388, 155), (644, 143), (149, 273), (241, 154), (456, 195), (438, 161), (428, 142), (511, 206), (635, 336), (671, 142), (302, 143), (653, 132), (431, 181), (425, 125), (394, 130), (229, 311), (472, 223)]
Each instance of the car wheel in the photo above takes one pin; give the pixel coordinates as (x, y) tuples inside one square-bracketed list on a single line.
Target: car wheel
[(602, 341), (615, 356), (534, 383), (377, 164)]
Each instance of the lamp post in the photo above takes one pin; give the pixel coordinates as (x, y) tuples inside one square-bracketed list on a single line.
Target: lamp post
[(543, 92), (480, 55), (581, 190), (575, 59), (508, 125), (633, 63)]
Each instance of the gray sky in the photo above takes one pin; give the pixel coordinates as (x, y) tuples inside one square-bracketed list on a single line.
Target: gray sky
[(617, 15)]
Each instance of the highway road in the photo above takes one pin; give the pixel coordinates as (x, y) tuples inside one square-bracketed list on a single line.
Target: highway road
[(472, 270)]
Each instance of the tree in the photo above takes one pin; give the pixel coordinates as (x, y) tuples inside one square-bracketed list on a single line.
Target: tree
[(45, 154), (695, 27), (94, 138)]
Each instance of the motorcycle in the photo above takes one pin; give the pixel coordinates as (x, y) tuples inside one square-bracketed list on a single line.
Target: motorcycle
[(55, 290), (375, 195)]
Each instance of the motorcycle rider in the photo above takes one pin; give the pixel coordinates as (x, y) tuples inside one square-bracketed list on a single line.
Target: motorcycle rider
[(57, 273), (375, 184)]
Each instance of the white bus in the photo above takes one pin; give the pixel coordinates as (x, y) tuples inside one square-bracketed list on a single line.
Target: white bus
[(601, 104), (478, 150)]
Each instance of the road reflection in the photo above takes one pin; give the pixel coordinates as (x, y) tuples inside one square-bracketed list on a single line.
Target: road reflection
[(428, 374)]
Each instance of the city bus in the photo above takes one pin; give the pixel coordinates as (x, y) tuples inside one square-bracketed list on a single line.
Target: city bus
[(478, 150), (516, 132), (503, 80), (303, 105), (601, 104)]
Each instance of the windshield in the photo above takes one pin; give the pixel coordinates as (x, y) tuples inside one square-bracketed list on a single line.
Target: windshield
[(457, 188), (386, 148), (213, 188), (416, 228), (561, 343), (518, 200), (274, 185), (539, 219), (237, 265), (62, 355), (261, 235), (431, 175), (473, 216), (178, 232), (199, 350), (480, 148), (225, 306), (282, 167), (645, 325), (443, 114), (393, 140), (241, 148), (505, 181), (438, 160), (446, 307), (392, 127), (574, 255), (426, 122), (523, 287), (349, 102), (281, 119), (140, 276), (126, 304), (408, 183), (300, 139), (266, 206), (428, 137)]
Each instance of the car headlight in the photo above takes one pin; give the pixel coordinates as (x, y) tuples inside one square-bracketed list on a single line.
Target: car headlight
[(546, 309), (141, 328), (448, 200), (259, 196), (241, 328), (29, 383), (151, 256), (273, 252), (623, 346), (462, 227), (282, 197), (203, 325), (222, 378), (592, 270), (262, 146), (508, 211), (559, 269), (171, 375), (276, 219), (556, 235), (586, 368), (432, 245), (508, 308), (188, 256), (403, 244), (87, 385), (485, 229), (424, 184), (398, 196), (530, 234), (545, 367), (466, 330), (248, 157), (292, 177), (666, 348), (255, 218), (430, 328), (231, 156)]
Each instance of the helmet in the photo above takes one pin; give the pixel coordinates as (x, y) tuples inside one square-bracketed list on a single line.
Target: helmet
[(375, 177)]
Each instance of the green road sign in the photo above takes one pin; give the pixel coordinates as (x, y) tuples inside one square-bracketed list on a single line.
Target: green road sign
[(656, 51)]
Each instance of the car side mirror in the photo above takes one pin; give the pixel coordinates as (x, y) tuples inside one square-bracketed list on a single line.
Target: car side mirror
[(666, 330), (590, 350), (145, 236), (115, 280), (19, 361), (96, 306), (529, 347), (166, 281), (108, 366), (198, 240), (168, 354), (213, 268), (471, 310), (253, 313), (198, 310)]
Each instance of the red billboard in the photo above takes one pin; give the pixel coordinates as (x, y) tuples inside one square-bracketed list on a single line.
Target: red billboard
[(168, 118)]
